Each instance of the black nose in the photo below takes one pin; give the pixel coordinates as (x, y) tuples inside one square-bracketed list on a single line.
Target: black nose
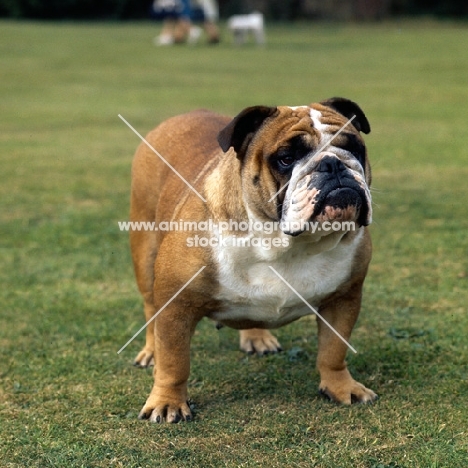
[(331, 165)]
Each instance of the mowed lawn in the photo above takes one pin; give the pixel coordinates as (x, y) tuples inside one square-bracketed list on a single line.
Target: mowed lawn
[(68, 299)]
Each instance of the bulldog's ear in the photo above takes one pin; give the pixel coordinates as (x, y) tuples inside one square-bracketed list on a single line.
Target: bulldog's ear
[(240, 130), (348, 109)]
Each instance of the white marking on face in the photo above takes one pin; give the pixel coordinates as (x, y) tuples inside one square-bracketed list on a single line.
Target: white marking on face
[(315, 116), (347, 158)]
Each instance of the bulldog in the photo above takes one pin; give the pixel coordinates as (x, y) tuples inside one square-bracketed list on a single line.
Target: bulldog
[(286, 167)]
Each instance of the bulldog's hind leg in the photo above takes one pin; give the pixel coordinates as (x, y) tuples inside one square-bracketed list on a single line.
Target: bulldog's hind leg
[(257, 340), (143, 246)]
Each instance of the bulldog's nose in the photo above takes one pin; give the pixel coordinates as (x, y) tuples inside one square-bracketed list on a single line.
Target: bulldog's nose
[(331, 165)]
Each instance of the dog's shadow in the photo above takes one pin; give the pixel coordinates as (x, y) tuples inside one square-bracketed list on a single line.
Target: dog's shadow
[(221, 373)]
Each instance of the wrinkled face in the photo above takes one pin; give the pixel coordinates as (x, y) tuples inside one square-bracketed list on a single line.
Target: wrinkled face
[(321, 170), (307, 164)]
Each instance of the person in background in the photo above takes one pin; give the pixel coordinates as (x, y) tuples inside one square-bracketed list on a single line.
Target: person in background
[(206, 11), (178, 17)]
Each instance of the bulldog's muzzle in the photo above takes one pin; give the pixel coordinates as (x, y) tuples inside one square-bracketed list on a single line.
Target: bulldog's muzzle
[(326, 189)]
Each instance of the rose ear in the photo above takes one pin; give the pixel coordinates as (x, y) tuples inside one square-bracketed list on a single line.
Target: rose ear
[(240, 130), (349, 109)]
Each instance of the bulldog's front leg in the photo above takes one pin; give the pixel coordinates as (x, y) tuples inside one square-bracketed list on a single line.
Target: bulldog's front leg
[(336, 381), (168, 398)]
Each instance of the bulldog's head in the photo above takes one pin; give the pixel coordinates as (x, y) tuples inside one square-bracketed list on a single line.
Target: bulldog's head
[(303, 164)]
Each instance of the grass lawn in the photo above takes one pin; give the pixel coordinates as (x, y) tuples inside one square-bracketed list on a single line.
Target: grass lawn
[(68, 299)]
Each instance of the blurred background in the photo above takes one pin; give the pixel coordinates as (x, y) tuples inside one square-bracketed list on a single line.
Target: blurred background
[(284, 10), (68, 297)]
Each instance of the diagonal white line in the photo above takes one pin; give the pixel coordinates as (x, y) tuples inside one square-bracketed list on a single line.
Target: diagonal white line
[(317, 152), (160, 157), (313, 310), (161, 309)]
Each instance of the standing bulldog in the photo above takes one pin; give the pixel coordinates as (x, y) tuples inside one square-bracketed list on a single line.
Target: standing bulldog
[(290, 167)]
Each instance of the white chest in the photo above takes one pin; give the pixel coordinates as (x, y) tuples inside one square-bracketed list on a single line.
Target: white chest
[(250, 290)]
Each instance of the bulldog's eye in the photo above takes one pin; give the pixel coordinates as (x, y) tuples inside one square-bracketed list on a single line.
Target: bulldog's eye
[(286, 162), (288, 155)]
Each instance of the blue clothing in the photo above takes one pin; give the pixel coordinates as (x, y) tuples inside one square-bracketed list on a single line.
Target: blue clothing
[(171, 9)]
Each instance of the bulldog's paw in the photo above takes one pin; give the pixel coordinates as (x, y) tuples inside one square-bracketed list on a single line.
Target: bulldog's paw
[(342, 388), (145, 358), (256, 340), (159, 410)]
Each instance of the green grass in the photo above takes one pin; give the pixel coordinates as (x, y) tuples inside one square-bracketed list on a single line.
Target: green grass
[(68, 299)]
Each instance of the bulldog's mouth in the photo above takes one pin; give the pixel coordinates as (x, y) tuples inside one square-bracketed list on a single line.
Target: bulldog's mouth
[(343, 197), (327, 191), (340, 204)]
